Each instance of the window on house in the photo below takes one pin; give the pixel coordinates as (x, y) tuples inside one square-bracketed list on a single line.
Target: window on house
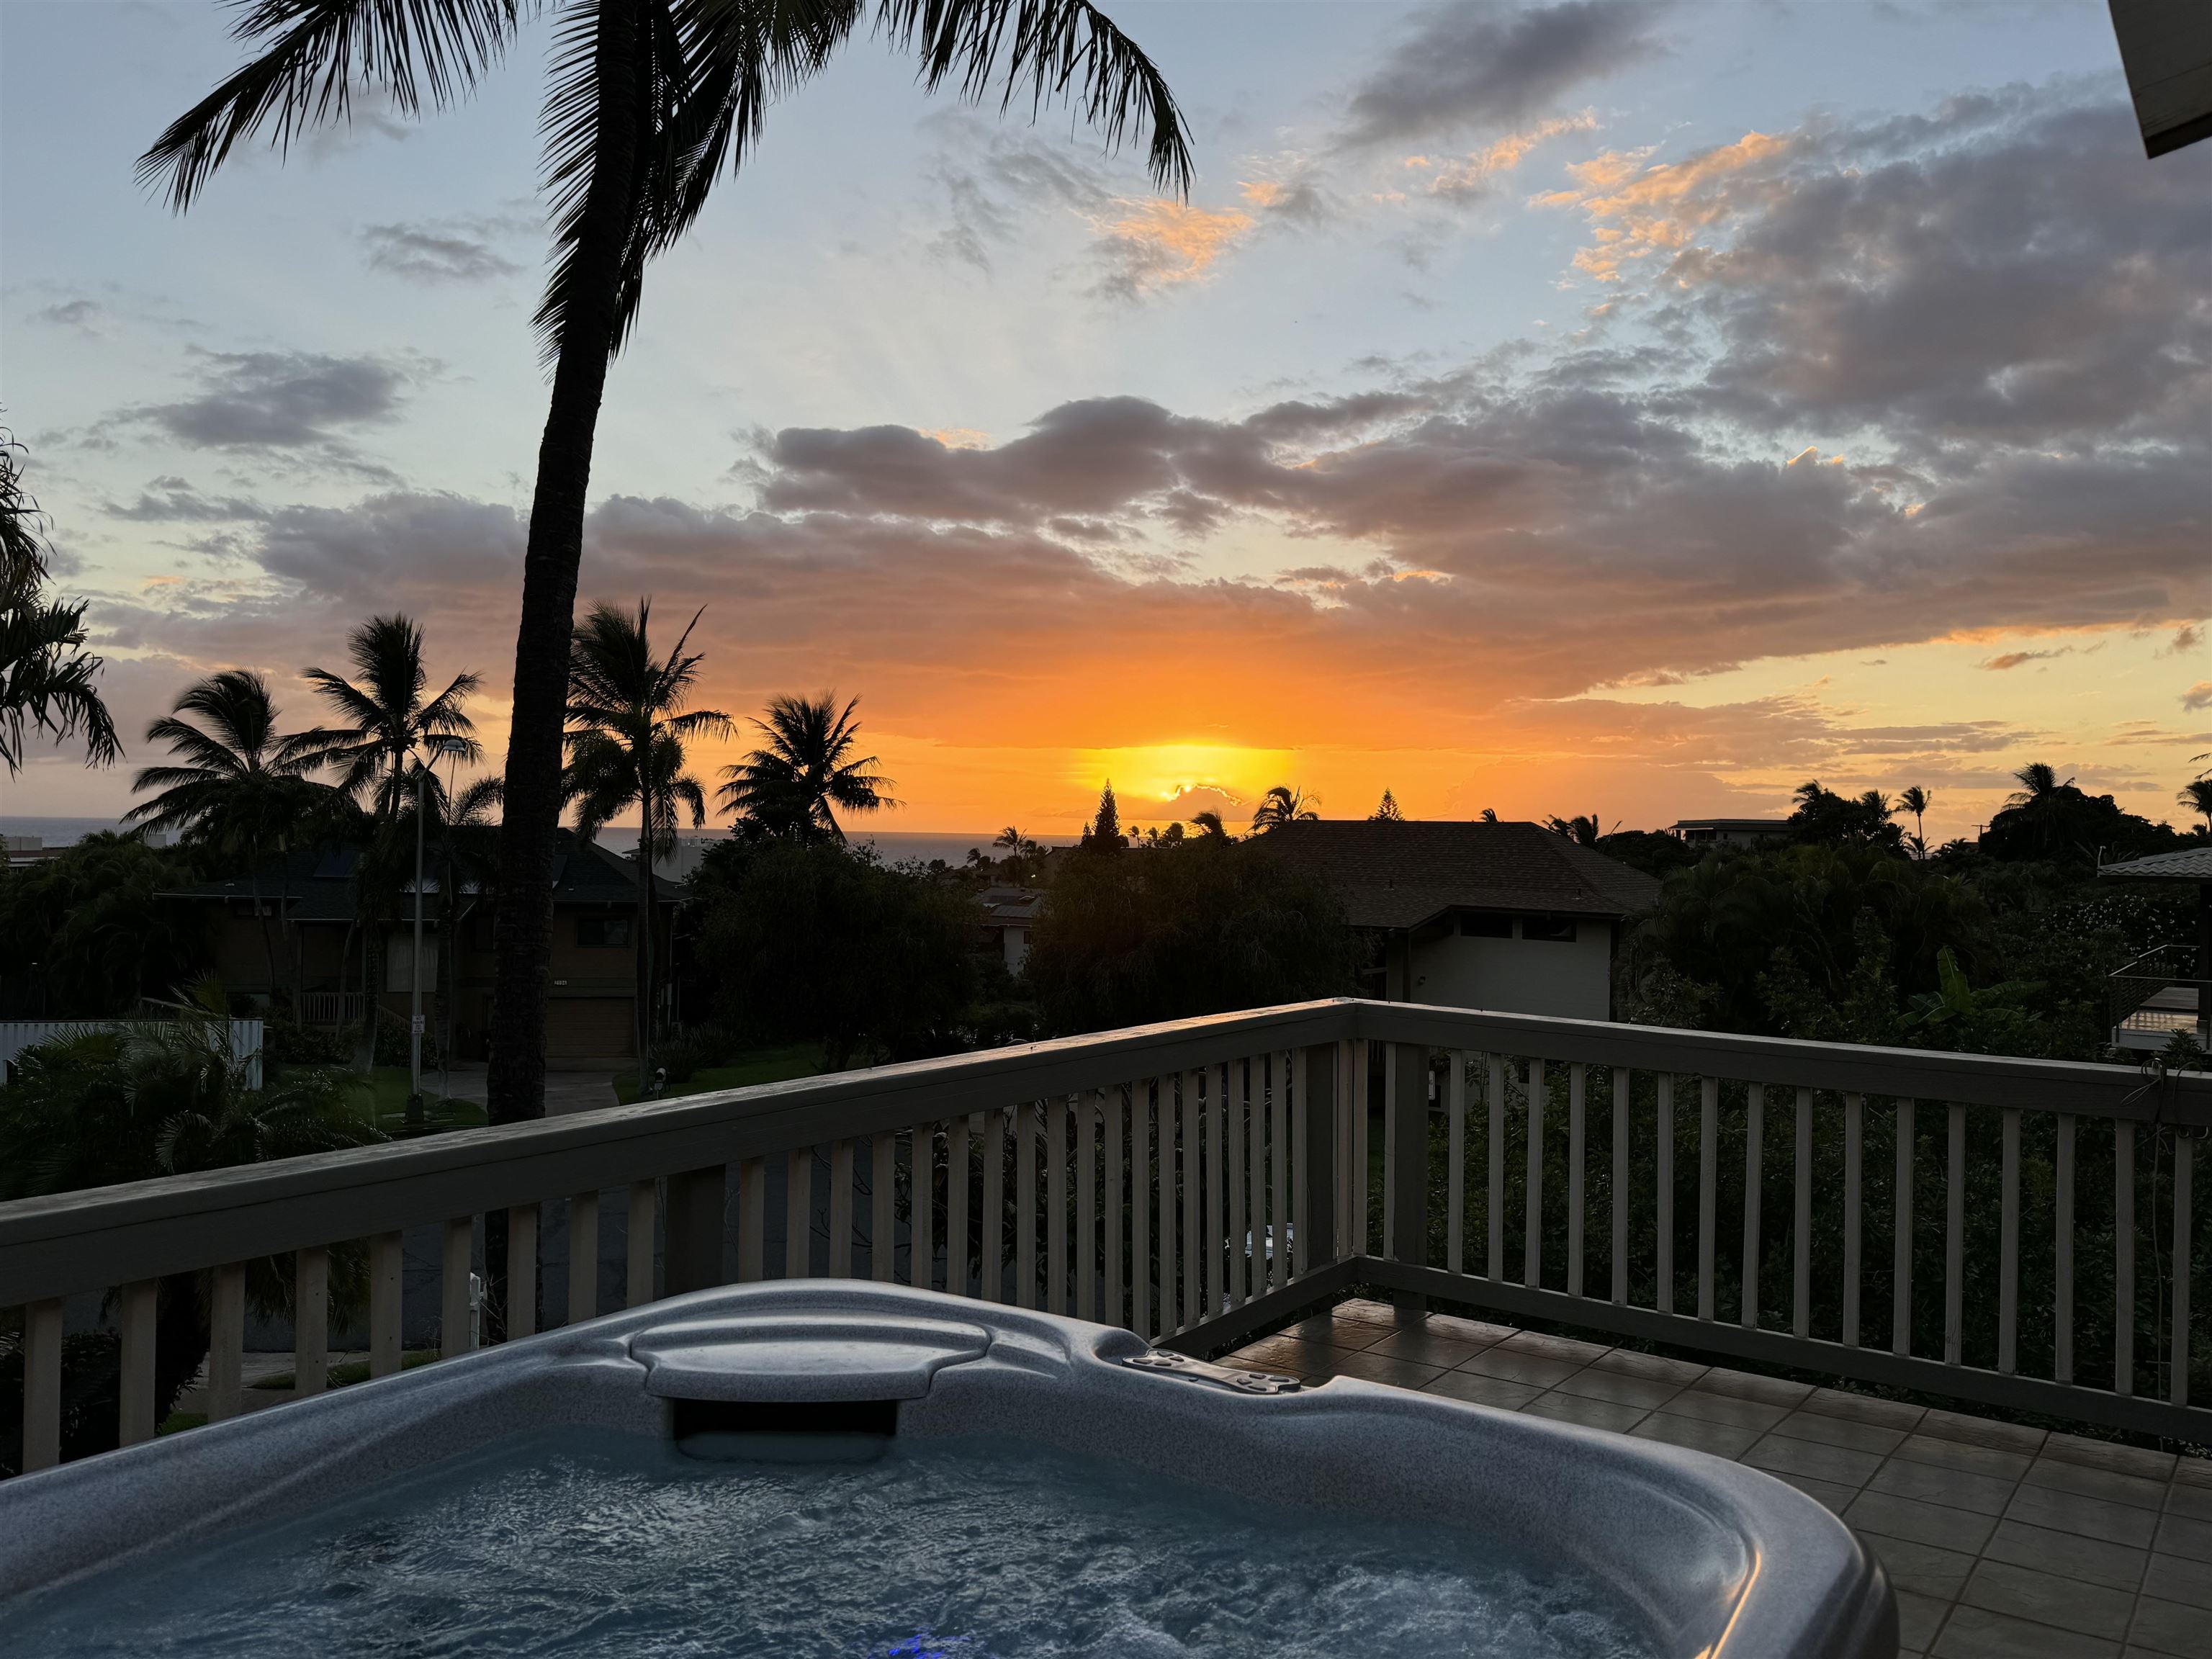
[(1558, 930), (603, 933), (1485, 925)]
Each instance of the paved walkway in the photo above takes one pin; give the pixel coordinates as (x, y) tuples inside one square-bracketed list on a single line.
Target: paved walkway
[(2004, 1542)]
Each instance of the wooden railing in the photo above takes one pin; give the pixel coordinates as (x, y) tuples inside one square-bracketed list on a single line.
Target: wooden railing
[(1198, 1180)]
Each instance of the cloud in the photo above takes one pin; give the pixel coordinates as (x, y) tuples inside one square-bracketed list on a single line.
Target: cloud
[(1636, 210), (2198, 698), (79, 314), (277, 401), (1471, 176), (432, 253), (2017, 659), (172, 499), (1468, 65), (2184, 639), (1150, 244)]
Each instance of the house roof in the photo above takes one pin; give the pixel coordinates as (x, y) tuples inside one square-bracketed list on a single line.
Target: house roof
[(316, 883), (1400, 875), (1757, 826), (2190, 864), (1013, 905)]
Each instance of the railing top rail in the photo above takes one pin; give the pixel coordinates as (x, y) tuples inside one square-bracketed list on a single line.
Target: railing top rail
[(2058, 1086), (102, 1235)]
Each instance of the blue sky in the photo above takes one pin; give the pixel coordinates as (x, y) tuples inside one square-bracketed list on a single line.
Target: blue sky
[(1443, 440)]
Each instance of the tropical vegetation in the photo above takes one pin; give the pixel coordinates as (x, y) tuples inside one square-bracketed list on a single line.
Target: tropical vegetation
[(47, 676)]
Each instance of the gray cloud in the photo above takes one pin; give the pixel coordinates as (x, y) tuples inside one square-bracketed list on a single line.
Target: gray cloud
[(172, 500), (1466, 65), (277, 400), (435, 254), (71, 313), (2198, 697)]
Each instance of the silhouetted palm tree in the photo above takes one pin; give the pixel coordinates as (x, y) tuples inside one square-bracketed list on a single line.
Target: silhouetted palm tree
[(386, 727), (47, 676), (236, 784), (1209, 824), (795, 784), (628, 726), (1916, 801), (1584, 830), (2196, 796), (2036, 781), (649, 102), (1285, 803)]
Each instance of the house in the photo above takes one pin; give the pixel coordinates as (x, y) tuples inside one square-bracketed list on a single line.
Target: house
[(1010, 917), (1728, 832), (299, 916), (1504, 916), (2168, 989)]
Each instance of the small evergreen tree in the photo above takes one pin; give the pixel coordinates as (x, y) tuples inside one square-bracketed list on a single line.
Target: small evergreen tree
[(1387, 811)]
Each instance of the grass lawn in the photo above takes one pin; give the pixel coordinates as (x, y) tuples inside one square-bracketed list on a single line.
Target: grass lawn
[(388, 1095), (754, 1065)]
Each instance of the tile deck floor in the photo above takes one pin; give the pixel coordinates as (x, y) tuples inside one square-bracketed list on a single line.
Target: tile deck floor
[(2003, 1543)]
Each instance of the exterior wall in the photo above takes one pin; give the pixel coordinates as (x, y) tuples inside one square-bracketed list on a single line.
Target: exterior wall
[(1516, 975)]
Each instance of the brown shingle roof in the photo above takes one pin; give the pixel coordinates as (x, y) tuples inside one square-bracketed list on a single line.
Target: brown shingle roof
[(1399, 875)]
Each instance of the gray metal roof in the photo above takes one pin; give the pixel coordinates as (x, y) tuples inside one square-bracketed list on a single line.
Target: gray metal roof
[(1400, 875), (2190, 864)]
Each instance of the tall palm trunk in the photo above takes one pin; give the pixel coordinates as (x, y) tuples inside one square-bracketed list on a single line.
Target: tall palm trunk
[(522, 976), (645, 919)]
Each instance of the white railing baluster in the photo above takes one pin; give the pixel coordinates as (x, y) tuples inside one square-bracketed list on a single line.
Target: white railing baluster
[(1497, 1171), (1900, 1285), (1169, 1137), (1248, 1247), (995, 1206), (752, 1224), (1360, 1172), (1289, 1205), (1754, 1168), (1214, 1232), (2123, 1256), (2008, 1248), (1665, 1192), (956, 1207), (42, 1385), (521, 1272), (226, 1342), (456, 1259), (1113, 1313), (1854, 1212), (1389, 1149), (1624, 1102), (385, 1261), (2061, 1313), (1086, 1206), (1578, 1079), (841, 1210), (1193, 1191), (1801, 1265), (798, 1213), (1141, 1111), (922, 1257), (1954, 1242), (136, 1421), (882, 1207), (644, 1208), (311, 1321), (1233, 1136), (1709, 1189), (1456, 1178), (1055, 1204), (584, 1258), (1026, 1126), (2183, 1210), (1532, 1242)]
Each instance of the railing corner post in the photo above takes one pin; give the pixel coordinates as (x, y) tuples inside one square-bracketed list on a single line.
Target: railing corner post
[(1315, 1245), (1409, 1171)]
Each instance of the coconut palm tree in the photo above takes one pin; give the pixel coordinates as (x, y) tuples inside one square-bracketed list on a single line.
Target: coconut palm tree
[(236, 784), (1583, 829), (2196, 796), (1916, 801), (1210, 826), (2037, 781), (628, 726), (648, 103), (47, 676), (1285, 803), (386, 728), (793, 785)]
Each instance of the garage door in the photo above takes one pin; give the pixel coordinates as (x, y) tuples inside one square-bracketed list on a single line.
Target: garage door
[(589, 1027)]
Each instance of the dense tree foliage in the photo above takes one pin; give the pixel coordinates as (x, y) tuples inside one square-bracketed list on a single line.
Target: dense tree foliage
[(1198, 926), (89, 934)]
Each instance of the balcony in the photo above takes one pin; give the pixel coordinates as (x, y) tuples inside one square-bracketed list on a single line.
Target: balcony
[(2156, 995), (1816, 1258)]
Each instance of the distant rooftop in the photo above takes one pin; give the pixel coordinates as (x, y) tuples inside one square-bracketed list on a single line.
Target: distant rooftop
[(2190, 864), (1400, 875)]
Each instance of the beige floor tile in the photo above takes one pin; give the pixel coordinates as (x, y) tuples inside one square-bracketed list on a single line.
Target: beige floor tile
[(1923, 1569), (1657, 1367), (2089, 1481), (2177, 1578), (1483, 1390), (1516, 1366), (1595, 1383), (2171, 1627), (1985, 1494), (2179, 1535), (1590, 1413), (1721, 1439), (1555, 1347), (2089, 1517), (1922, 1523), (1827, 1494), (1977, 1633), (2000, 1586), (1428, 1349), (1982, 1431), (1963, 1455), (2117, 1566), (1743, 1385), (1727, 1408), (1864, 1409), (1823, 1462), (2112, 1455), (1803, 1424), (1381, 1368), (2193, 1471), (2195, 1502), (1919, 1618), (1479, 1332)]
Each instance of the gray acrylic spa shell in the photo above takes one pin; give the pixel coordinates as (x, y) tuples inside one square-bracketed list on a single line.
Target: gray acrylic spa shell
[(1718, 1561)]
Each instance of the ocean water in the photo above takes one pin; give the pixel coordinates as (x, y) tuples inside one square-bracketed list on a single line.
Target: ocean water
[(583, 1542)]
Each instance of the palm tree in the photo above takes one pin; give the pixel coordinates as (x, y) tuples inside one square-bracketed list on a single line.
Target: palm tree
[(1209, 825), (1916, 801), (627, 726), (648, 101), (1583, 829), (45, 674), (235, 785), (386, 727), (793, 785), (2037, 781), (1285, 803), (2196, 796)]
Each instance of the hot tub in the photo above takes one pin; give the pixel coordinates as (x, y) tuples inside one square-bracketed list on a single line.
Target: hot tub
[(836, 1468)]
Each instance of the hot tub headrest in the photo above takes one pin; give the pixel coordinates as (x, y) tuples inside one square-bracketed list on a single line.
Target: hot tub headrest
[(801, 1357)]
